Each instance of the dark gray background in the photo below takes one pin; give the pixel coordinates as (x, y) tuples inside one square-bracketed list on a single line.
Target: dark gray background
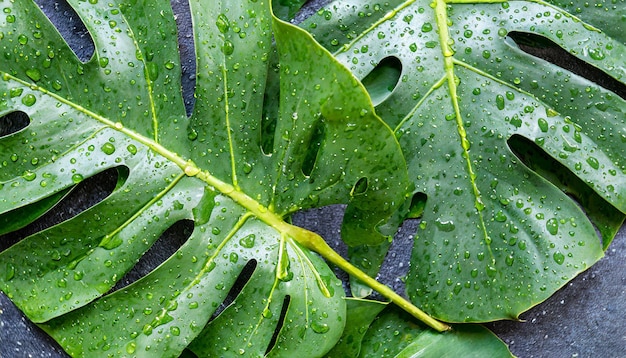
[(584, 319)]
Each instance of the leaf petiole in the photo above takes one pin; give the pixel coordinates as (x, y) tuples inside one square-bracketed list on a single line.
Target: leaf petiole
[(316, 243)]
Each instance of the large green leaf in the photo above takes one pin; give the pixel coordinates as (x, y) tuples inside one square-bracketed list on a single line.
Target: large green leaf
[(502, 146), (235, 173)]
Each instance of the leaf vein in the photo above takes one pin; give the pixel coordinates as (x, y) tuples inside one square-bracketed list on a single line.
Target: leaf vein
[(388, 16), (155, 122)]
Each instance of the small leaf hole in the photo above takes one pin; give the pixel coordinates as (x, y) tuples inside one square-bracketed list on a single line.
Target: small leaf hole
[(237, 287), (279, 326), (270, 112), (383, 79), (418, 203), (360, 187), (313, 148), (547, 50), (13, 123), (168, 243)]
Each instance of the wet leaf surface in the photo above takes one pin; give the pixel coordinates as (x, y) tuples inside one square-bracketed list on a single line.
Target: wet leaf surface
[(504, 148), (122, 110)]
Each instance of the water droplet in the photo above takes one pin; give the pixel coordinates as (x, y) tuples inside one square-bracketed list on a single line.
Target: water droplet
[(77, 178), (29, 176), (553, 226), (131, 347), (10, 272), (29, 100), (192, 134), (247, 168), (319, 327), (597, 54), (248, 241), (427, 27), (593, 162), (16, 92), (175, 331), (222, 23), (34, 74), (457, 288), (132, 149), (108, 148), (500, 102), (509, 260), (558, 257), (147, 329), (22, 39), (228, 48), (543, 124), (445, 226)]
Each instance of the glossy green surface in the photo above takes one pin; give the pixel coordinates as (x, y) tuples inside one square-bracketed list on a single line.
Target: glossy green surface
[(123, 109), (498, 142)]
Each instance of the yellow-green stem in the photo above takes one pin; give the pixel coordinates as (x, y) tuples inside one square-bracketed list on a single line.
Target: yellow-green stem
[(316, 243)]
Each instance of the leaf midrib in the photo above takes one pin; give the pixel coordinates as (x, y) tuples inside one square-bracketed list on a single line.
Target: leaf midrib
[(441, 16), (149, 82), (188, 166)]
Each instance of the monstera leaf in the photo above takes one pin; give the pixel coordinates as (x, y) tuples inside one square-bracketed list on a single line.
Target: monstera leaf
[(236, 170), (507, 151)]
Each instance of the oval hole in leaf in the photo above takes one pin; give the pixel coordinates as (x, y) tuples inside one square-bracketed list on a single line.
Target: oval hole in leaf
[(279, 326), (382, 80), (235, 290), (360, 187), (168, 243), (70, 26), (81, 197), (313, 148), (13, 123), (418, 203), (270, 112), (547, 50)]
